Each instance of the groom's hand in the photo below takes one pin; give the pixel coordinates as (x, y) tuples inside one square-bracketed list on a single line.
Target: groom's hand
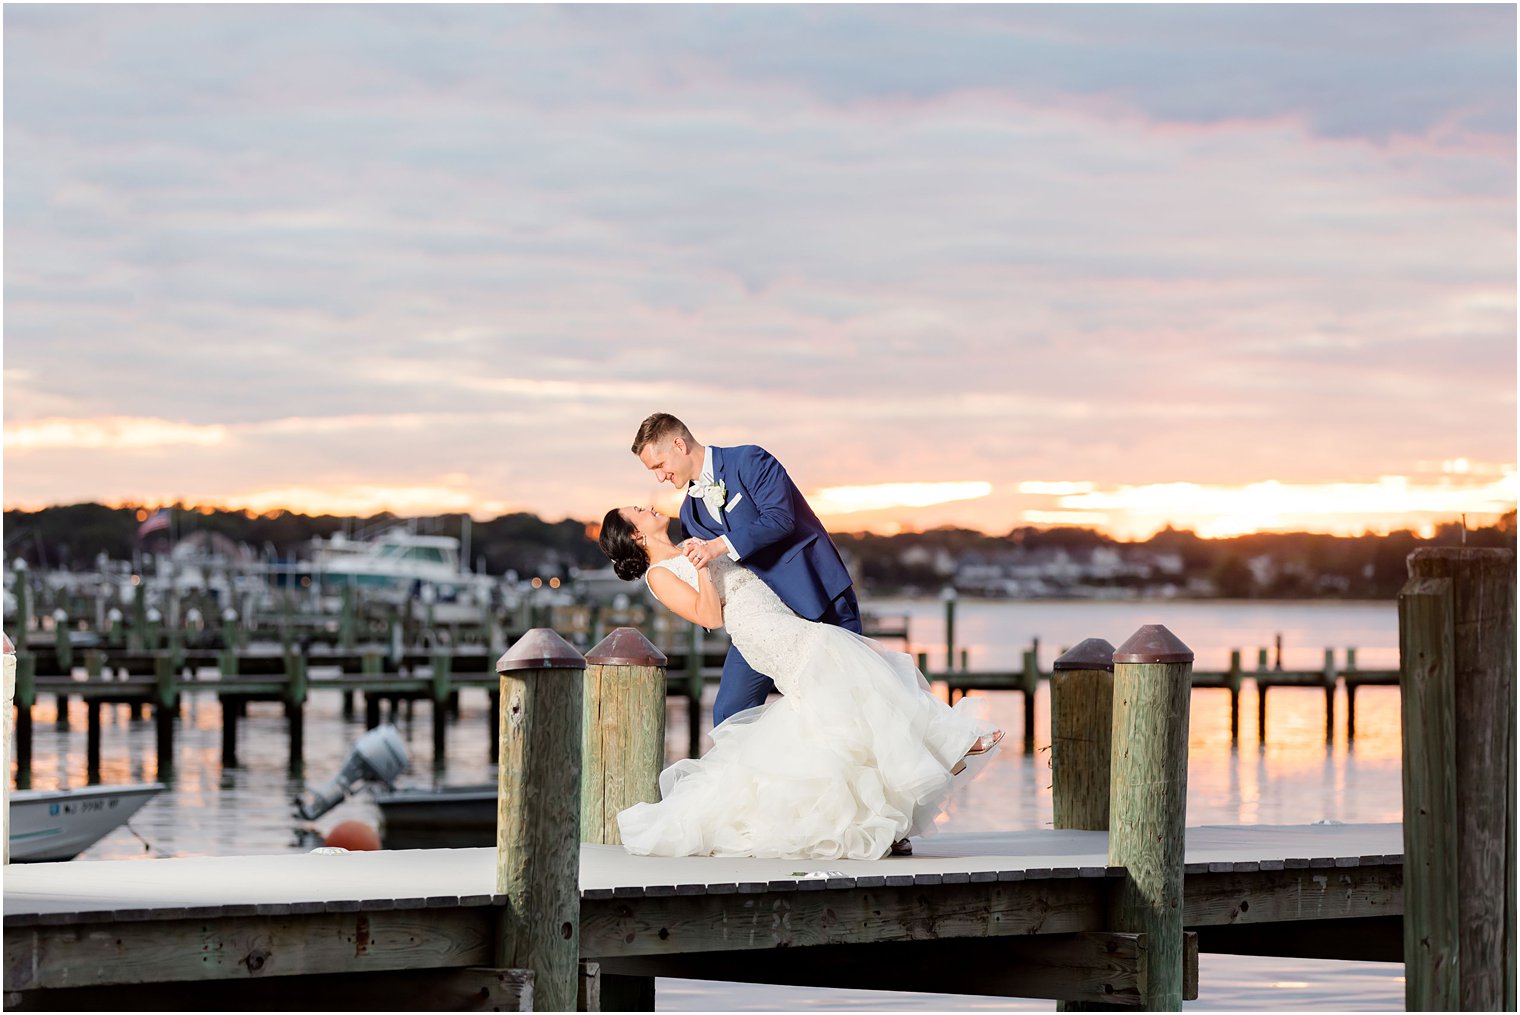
[(701, 552)]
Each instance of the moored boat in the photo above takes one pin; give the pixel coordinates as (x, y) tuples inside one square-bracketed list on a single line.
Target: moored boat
[(59, 824), (448, 817)]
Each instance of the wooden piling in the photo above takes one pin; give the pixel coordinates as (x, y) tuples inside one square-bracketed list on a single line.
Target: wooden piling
[(1030, 685), (1232, 681), (26, 694), (443, 669), (1081, 734), (295, 710), (8, 668), (1148, 802), (1329, 673), (164, 712), (694, 682), (1350, 695), (231, 709), (1457, 655), (538, 815), (92, 741), (61, 642), (950, 597), (623, 733)]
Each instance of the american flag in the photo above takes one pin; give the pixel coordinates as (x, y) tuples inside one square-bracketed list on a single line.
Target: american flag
[(157, 520)]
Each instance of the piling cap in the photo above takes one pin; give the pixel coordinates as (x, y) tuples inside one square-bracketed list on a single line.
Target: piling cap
[(6, 648), (626, 646), (540, 649), (1091, 654), (1153, 643)]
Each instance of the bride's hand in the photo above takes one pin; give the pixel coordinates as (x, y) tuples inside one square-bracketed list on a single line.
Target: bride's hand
[(699, 552)]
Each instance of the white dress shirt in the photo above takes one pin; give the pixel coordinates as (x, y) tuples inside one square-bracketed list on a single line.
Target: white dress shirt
[(708, 476)]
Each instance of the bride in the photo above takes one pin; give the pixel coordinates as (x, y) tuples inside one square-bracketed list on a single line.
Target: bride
[(855, 757)]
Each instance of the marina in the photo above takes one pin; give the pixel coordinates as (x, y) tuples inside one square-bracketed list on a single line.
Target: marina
[(1351, 801)]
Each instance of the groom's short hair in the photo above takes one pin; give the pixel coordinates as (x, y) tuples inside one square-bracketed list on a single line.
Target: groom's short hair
[(660, 427)]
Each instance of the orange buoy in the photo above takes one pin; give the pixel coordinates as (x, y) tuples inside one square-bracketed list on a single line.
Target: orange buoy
[(353, 835)]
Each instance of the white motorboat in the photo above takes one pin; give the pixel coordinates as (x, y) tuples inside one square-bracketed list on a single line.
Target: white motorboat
[(59, 824), (399, 564)]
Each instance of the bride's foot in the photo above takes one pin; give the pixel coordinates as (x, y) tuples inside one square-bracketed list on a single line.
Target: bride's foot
[(985, 744), (902, 847)]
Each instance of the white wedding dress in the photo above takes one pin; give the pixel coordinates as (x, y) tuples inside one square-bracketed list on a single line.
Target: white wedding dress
[(856, 754)]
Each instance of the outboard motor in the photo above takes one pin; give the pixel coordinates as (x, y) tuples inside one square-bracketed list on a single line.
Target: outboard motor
[(378, 756)]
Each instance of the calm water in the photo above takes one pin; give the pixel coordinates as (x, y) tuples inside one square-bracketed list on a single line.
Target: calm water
[(1295, 777)]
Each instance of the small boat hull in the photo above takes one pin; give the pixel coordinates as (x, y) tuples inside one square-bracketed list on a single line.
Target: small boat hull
[(59, 824), (451, 817)]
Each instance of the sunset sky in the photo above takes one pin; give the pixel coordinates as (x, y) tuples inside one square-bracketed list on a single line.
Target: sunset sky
[(1229, 268)]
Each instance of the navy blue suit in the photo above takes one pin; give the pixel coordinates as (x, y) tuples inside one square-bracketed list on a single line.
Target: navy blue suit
[(778, 537)]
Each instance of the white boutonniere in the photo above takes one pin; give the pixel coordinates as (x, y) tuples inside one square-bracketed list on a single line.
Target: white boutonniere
[(714, 495)]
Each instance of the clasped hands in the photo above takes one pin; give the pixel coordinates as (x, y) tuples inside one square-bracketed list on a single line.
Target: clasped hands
[(702, 552)]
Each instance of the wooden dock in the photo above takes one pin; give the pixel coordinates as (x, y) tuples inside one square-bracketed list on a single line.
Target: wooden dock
[(1112, 908), (1012, 914)]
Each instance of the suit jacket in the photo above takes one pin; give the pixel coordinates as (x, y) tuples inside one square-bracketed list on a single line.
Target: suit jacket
[(773, 530)]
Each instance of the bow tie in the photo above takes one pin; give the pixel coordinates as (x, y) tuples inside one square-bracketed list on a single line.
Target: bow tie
[(713, 493)]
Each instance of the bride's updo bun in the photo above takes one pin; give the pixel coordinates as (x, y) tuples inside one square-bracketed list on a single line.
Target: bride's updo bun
[(629, 559)]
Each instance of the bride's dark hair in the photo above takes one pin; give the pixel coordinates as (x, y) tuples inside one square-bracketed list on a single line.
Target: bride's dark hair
[(629, 559)]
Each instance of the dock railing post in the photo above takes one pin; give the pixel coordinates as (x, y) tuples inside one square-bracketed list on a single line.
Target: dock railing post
[(441, 687), (8, 661), (1030, 682), (1148, 802), (538, 815), (165, 695), (695, 654), (1232, 681), (1457, 660), (623, 751), (1348, 676), (62, 644), (1081, 734)]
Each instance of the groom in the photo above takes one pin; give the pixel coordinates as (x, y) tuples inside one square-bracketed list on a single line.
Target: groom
[(742, 503)]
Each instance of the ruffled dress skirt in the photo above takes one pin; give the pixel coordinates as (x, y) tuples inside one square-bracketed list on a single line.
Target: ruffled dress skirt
[(857, 754)]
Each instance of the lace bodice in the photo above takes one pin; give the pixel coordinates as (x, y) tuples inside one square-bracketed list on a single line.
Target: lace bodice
[(772, 638)]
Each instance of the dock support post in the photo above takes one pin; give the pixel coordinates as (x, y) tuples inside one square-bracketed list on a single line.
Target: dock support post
[(694, 647), (21, 588), (1232, 680), (61, 643), (443, 665), (1031, 685), (493, 723), (26, 693), (295, 711), (1148, 802), (8, 668), (1329, 672), (1081, 734), (230, 709), (623, 750), (164, 712), (538, 815), (1261, 697), (1350, 694), (949, 595), (1457, 659), (92, 741)]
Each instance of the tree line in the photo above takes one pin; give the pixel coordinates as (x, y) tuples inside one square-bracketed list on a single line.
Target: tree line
[(1302, 564)]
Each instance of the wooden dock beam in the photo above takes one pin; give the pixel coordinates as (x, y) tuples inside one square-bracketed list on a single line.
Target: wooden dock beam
[(1148, 805), (1457, 649), (538, 817), (8, 668), (624, 749), (1081, 734)]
